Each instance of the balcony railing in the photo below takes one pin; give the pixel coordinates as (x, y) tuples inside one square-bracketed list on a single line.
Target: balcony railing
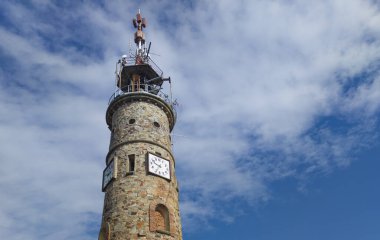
[(146, 88), (131, 60)]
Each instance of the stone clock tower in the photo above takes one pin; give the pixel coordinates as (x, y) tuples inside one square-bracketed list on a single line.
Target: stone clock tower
[(139, 181)]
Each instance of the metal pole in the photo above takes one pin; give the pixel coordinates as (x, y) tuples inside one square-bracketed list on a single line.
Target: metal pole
[(171, 96)]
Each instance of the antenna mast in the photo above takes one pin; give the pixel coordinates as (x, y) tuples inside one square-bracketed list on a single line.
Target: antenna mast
[(141, 53)]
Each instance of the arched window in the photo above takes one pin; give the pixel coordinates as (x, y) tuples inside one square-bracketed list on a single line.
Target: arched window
[(161, 218)]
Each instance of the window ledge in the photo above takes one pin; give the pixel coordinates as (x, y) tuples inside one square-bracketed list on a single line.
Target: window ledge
[(163, 232)]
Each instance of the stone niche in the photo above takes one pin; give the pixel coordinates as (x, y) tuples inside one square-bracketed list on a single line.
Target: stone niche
[(160, 218)]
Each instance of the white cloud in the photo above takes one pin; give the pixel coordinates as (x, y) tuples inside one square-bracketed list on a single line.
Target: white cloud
[(365, 98), (262, 76)]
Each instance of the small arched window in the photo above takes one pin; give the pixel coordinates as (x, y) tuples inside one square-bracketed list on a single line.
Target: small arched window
[(161, 218)]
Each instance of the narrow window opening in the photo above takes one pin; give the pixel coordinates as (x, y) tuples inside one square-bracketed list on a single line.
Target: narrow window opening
[(156, 124), (132, 121), (159, 154), (131, 163)]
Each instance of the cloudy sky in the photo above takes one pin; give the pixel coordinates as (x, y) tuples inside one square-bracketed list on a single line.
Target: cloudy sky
[(278, 119)]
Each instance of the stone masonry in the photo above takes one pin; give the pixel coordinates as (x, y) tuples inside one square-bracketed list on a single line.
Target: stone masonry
[(137, 204)]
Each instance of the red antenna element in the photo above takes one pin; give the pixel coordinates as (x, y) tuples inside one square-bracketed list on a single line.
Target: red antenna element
[(139, 23)]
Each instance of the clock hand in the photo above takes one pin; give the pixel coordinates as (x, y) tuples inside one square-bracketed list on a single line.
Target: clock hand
[(157, 164)]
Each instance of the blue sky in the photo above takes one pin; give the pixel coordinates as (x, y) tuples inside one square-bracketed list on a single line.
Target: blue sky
[(278, 116)]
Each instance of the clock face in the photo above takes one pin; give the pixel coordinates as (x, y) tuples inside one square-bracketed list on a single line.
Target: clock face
[(108, 174), (159, 166)]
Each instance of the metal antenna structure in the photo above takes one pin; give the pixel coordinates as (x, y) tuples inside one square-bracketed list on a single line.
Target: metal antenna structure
[(137, 72)]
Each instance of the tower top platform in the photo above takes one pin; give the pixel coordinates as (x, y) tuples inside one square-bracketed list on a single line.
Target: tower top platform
[(137, 72)]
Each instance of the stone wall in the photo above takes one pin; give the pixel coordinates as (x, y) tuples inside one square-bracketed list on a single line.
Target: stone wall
[(131, 200)]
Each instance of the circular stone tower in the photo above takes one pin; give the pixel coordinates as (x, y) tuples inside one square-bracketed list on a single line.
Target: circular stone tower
[(139, 181)]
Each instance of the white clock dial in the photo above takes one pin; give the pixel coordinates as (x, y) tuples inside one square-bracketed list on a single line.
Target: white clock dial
[(159, 166), (108, 174)]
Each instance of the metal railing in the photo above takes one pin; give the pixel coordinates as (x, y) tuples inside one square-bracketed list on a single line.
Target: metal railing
[(146, 88), (156, 68), (131, 60)]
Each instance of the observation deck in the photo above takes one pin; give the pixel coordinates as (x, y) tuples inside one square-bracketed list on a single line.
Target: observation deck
[(148, 71)]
